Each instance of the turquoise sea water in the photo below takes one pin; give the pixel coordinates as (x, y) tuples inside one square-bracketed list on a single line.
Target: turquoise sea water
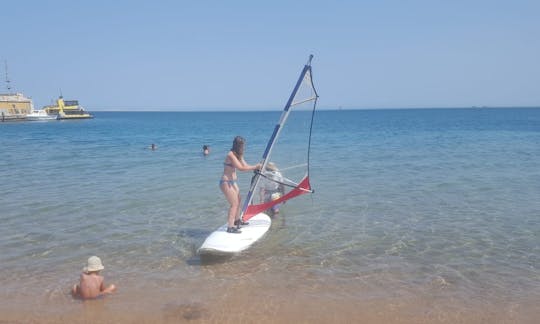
[(441, 205)]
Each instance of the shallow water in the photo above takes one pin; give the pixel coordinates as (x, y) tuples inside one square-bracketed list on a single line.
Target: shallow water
[(418, 216)]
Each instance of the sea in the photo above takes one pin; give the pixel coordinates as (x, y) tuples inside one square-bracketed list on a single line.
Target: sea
[(418, 216)]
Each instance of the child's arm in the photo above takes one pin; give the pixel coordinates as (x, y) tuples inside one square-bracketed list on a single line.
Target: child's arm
[(109, 290)]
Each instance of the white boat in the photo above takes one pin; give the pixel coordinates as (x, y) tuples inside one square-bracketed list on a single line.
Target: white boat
[(40, 115), (268, 191)]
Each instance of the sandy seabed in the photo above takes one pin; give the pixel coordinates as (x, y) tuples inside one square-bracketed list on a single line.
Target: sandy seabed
[(249, 302)]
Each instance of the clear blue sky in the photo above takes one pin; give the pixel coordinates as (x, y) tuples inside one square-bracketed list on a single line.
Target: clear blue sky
[(236, 55)]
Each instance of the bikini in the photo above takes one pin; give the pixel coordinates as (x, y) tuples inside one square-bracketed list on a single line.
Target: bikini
[(229, 182)]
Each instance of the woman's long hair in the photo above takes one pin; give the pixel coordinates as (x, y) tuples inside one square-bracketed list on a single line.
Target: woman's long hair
[(238, 146)]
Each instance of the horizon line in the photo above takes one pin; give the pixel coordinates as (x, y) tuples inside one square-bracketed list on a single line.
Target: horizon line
[(320, 109)]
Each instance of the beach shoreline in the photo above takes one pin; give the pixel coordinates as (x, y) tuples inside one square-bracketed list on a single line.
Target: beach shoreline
[(248, 289), (250, 303)]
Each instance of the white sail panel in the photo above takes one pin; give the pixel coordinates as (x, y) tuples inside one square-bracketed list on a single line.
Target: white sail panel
[(285, 172)]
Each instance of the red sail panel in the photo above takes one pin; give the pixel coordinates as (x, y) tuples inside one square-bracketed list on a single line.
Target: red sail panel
[(302, 188)]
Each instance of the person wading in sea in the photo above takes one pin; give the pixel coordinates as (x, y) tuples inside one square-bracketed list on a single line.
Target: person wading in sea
[(228, 183)]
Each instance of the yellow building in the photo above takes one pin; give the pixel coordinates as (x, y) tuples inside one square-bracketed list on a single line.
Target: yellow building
[(14, 106)]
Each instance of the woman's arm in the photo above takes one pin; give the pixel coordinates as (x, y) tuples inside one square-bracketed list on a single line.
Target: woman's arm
[(241, 164)]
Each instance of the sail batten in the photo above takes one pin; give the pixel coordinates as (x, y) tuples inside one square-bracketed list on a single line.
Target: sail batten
[(303, 101), (285, 161)]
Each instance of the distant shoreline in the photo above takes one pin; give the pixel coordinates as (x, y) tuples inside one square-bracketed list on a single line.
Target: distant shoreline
[(319, 109)]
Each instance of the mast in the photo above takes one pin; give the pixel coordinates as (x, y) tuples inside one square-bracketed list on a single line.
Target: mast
[(8, 86), (275, 134)]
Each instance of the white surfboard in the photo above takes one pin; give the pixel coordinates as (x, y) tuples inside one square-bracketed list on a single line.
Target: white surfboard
[(220, 242)]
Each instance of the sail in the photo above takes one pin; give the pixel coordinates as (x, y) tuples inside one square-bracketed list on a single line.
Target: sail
[(285, 162)]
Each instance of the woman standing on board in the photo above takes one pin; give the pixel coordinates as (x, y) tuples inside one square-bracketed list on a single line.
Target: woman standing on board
[(228, 183)]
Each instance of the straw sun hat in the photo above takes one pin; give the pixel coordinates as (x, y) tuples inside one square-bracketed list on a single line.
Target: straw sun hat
[(93, 264)]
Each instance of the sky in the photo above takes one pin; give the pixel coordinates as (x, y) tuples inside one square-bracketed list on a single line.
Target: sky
[(246, 55)]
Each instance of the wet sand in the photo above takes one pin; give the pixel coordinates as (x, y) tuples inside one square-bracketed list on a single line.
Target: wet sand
[(257, 309), (268, 298)]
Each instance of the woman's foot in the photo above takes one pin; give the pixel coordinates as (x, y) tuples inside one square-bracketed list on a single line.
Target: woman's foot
[(233, 230), (239, 222)]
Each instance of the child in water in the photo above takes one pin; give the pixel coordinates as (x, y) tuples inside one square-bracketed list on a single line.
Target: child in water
[(92, 284)]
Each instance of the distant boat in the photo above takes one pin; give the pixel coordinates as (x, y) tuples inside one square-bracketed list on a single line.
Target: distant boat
[(68, 109), (40, 115)]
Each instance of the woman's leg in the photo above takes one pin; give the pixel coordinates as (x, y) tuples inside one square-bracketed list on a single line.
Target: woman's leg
[(239, 201), (231, 193)]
